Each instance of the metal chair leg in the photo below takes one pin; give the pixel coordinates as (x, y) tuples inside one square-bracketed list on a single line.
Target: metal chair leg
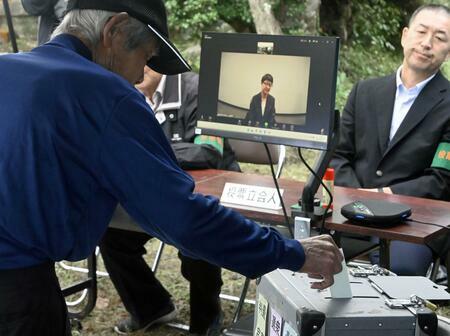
[(240, 305), (158, 257), (83, 269), (12, 34), (90, 284), (435, 269)]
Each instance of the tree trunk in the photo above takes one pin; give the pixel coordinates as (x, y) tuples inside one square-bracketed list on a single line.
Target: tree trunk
[(265, 21), (310, 16), (336, 18)]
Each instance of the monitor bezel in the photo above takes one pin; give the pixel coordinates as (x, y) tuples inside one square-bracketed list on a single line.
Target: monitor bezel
[(326, 53)]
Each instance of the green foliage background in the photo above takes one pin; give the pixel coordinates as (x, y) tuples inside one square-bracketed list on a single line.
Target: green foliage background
[(373, 48)]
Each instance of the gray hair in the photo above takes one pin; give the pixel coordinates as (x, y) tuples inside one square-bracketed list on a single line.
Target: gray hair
[(89, 23)]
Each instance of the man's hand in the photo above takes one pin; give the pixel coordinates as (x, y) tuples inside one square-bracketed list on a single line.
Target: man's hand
[(322, 260)]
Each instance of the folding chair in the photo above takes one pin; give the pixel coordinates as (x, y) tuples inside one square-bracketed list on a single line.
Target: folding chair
[(255, 152), (87, 288)]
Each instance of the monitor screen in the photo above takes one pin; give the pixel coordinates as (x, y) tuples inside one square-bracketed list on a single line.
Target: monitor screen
[(268, 88)]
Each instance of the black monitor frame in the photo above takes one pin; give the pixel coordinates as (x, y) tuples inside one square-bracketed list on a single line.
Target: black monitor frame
[(323, 54)]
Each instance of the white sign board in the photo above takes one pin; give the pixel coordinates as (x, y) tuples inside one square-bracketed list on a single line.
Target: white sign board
[(253, 196)]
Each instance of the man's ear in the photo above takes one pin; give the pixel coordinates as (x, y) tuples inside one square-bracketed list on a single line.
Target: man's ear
[(111, 28), (404, 35)]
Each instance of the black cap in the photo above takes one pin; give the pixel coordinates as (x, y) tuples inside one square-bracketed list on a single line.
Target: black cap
[(153, 13)]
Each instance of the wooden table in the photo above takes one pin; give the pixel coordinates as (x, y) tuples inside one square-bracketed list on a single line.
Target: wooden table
[(211, 182)]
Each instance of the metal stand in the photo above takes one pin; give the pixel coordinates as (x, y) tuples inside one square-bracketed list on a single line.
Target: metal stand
[(12, 34), (312, 184)]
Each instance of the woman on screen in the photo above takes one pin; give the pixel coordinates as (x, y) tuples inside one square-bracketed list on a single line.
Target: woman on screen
[(262, 105)]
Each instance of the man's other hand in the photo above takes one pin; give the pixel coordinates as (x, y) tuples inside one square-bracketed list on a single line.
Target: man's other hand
[(322, 260)]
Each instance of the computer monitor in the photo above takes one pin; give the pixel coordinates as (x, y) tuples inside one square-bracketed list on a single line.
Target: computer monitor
[(277, 89)]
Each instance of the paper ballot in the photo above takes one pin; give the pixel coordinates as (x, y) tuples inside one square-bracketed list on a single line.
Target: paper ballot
[(341, 288)]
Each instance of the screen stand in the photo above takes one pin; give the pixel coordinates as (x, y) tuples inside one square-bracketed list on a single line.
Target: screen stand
[(307, 208)]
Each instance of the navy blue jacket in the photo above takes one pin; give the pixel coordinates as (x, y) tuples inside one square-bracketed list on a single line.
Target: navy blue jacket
[(75, 139)]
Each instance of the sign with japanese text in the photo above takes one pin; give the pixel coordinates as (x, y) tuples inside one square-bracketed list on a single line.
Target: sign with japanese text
[(261, 316), (253, 196), (275, 323)]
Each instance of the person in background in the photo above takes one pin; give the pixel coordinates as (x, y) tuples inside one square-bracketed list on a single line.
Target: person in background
[(262, 106), (50, 13), (396, 129), (174, 102), (84, 140)]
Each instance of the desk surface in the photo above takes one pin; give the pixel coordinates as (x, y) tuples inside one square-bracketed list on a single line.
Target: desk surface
[(211, 182)]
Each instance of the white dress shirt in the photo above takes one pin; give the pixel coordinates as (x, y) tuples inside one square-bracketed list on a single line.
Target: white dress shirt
[(156, 100), (404, 98)]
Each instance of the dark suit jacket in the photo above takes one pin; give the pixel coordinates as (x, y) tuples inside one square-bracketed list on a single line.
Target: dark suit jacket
[(366, 159), (255, 113)]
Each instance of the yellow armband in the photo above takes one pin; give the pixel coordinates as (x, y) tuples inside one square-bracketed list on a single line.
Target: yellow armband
[(442, 156)]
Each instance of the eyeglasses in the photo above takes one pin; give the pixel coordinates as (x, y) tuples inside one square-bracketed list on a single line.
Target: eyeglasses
[(267, 83)]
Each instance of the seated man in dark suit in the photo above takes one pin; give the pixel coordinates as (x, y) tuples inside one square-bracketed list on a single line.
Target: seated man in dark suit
[(174, 100), (262, 105), (395, 128)]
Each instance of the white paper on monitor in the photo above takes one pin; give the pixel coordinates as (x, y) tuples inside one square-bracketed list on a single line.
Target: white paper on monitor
[(341, 288)]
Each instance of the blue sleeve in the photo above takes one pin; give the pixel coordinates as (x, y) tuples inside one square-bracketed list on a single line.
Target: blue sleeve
[(139, 169)]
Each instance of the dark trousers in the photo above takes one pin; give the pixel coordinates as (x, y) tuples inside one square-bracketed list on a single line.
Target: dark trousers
[(31, 302), (141, 292), (406, 259)]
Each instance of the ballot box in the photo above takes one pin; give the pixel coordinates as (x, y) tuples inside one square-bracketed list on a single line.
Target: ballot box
[(380, 305)]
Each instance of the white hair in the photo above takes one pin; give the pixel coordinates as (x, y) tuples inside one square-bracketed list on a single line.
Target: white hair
[(89, 24)]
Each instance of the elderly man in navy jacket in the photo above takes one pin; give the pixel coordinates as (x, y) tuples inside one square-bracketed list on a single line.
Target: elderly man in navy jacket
[(76, 138)]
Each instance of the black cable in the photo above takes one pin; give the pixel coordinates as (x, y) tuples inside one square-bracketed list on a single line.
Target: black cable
[(322, 225), (286, 218), (427, 223)]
